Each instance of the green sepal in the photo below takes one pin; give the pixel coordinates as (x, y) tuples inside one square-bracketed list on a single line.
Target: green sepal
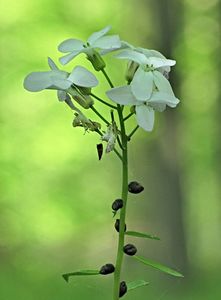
[(142, 235), (96, 60), (80, 273), (158, 266), (136, 284)]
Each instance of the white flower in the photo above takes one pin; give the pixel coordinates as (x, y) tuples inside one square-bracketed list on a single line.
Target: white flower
[(59, 80), (97, 40), (143, 80), (148, 91)]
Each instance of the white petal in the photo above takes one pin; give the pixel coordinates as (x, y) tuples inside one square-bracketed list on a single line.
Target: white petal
[(96, 35), (82, 77), (142, 84), (134, 56), (157, 62), (70, 45), (67, 58), (62, 84), (52, 64), (108, 42), (122, 95), (37, 81), (163, 98), (162, 83), (145, 117), (59, 80)]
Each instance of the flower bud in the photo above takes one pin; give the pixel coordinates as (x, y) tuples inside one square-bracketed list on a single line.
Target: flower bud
[(117, 204), (132, 109), (132, 67), (84, 100), (97, 61), (123, 289), (84, 90), (130, 249), (107, 269), (117, 226), (135, 188)]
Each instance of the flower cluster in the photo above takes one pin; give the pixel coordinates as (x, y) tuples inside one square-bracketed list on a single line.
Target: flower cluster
[(148, 89)]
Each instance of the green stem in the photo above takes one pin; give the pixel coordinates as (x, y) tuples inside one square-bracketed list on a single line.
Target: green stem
[(99, 115), (120, 253), (102, 101), (127, 117), (132, 133), (108, 79)]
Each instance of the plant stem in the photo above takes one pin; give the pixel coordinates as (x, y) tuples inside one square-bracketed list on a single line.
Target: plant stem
[(120, 252), (102, 101), (99, 115), (127, 117), (132, 133), (107, 77)]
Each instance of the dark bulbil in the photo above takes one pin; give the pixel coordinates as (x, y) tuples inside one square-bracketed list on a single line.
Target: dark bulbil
[(117, 225), (130, 249), (123, 289), (117, 204), (107, 269), (135, 188)]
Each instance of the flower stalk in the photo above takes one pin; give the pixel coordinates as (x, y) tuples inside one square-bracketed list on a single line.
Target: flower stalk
[(147, 91), (124, 194)]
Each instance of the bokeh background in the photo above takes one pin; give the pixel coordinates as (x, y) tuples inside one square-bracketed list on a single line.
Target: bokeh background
[(55, 201)]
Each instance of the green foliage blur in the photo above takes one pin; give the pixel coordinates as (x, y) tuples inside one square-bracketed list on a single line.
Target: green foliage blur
[(55, 204)]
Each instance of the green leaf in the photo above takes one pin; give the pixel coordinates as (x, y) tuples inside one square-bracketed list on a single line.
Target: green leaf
[(136, 284), (142, 235), (80, 273), (158, 266)]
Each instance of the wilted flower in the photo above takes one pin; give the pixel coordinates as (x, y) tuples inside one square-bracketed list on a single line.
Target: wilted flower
[(96, 41), (87, 124), (110, 136)]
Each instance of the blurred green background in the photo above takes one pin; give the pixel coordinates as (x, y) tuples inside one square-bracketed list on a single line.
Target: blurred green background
[(55, 199)]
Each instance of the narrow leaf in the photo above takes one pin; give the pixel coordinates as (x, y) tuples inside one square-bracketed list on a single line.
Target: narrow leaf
[(142, 235), (136, 284), (158, 266), (80, 273)]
